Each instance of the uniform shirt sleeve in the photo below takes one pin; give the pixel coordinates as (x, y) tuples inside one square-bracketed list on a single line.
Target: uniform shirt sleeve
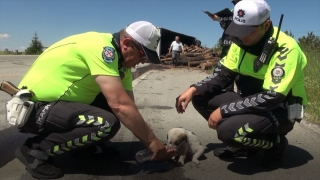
[(223, 75), (282, 73), (100, 59)]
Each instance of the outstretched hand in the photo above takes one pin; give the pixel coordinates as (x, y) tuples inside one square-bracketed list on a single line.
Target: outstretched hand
[(215, 17), (183, 100), (160, 151)]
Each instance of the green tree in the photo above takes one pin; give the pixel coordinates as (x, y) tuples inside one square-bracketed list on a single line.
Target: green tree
[(6, 51), (310, 41), (217, 48), (35, 47), (289, 33)]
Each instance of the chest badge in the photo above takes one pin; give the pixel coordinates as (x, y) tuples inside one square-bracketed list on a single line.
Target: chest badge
[(277, 73)]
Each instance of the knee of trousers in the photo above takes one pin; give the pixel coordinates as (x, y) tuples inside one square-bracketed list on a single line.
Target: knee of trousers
[(226, 135), (114, 128), (109, 125)]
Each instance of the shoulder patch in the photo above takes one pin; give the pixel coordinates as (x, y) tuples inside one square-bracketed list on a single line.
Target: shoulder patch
[(277, 72), (108, 54)]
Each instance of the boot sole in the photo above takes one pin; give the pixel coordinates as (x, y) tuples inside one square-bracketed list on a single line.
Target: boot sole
[(280, 164), (22, 159), (235, 155)]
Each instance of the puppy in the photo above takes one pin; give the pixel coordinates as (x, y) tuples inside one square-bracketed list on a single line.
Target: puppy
[(186, 143)]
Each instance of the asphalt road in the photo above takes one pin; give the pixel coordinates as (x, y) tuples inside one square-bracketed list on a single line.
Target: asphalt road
[(155, 93)]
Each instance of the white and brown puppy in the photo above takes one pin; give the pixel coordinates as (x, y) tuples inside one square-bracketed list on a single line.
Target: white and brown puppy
[(186, 143)]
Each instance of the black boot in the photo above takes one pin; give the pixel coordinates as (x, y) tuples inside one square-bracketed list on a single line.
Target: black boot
[(273, 157), (231, 152), (37, 162)]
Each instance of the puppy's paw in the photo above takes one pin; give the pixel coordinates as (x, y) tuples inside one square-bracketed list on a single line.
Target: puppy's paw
[(196, 161), (180, 163)]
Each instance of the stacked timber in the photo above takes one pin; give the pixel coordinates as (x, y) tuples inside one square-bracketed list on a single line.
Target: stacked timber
[(194, 56)]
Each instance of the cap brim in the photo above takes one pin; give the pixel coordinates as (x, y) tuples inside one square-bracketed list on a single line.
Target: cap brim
[(152, 56), (239, 30)]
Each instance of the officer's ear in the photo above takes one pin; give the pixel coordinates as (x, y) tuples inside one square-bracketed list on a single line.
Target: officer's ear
[(127, 42), (267, 24)]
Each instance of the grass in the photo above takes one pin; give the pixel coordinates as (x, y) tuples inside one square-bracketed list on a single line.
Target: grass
[(312, 83)]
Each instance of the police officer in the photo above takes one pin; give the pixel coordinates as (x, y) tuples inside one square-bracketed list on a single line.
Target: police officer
[(225, 18), (256, 118), (82, 89)]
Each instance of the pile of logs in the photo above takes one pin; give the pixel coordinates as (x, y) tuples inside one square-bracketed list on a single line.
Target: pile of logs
[(194, 56)]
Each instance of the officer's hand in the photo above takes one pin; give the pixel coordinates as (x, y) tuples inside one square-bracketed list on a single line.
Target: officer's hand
[(183, 100), (214, 119), (214, 17), (160, 151)]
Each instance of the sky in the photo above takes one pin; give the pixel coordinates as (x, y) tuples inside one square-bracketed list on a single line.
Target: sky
[(53, 20)]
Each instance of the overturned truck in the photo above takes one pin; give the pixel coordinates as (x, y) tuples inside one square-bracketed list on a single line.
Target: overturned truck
[(167, 36), (195, 55)]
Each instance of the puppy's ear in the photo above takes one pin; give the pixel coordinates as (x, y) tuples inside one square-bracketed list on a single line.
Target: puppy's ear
[(183, 137)]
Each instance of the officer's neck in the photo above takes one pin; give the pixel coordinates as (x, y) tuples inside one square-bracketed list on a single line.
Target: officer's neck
[(116, 43)]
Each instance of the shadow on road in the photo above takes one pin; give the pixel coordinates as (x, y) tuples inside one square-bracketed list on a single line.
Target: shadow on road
[(117, 166), (10, 140), (294, 157)]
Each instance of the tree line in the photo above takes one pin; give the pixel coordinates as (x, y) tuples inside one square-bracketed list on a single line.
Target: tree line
[(35, 47), (308, 42)]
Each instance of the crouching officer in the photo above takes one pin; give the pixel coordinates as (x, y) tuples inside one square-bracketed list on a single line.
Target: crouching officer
[(82, 90), (271, 88)]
